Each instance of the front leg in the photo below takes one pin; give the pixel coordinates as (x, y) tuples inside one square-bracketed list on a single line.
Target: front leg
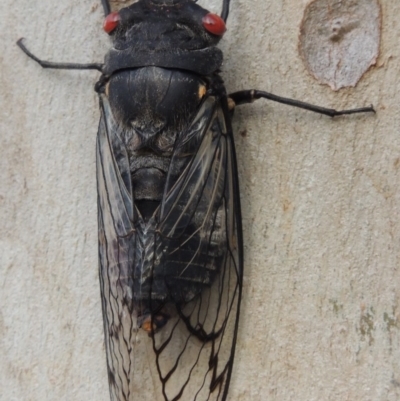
[(59, 66), (249, 96)]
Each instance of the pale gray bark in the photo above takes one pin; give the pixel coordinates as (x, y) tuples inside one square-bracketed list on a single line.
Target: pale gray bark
[(321, 199)]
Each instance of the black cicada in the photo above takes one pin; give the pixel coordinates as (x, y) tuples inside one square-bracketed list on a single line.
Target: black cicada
[(170, 241)]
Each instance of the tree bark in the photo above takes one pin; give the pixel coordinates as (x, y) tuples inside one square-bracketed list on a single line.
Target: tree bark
[(321, 197)]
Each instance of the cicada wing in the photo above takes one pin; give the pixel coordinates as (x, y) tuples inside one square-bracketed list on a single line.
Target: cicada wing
[(201, 262), (194, 265), (117, 244)]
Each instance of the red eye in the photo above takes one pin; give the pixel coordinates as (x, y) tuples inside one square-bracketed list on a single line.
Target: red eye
[(214, 24), (111, 22)]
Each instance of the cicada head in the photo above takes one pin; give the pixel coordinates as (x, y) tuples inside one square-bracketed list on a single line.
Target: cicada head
[(164, 25)]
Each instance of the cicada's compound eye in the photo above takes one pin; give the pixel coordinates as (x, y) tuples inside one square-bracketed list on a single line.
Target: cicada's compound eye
[(111, 22), (214, 24)]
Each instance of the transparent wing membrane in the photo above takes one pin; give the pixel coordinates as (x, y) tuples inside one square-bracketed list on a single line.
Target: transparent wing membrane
[(117, 241), (171, 285)]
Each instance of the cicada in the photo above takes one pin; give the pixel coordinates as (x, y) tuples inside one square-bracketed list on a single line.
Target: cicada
[(170, 235)]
